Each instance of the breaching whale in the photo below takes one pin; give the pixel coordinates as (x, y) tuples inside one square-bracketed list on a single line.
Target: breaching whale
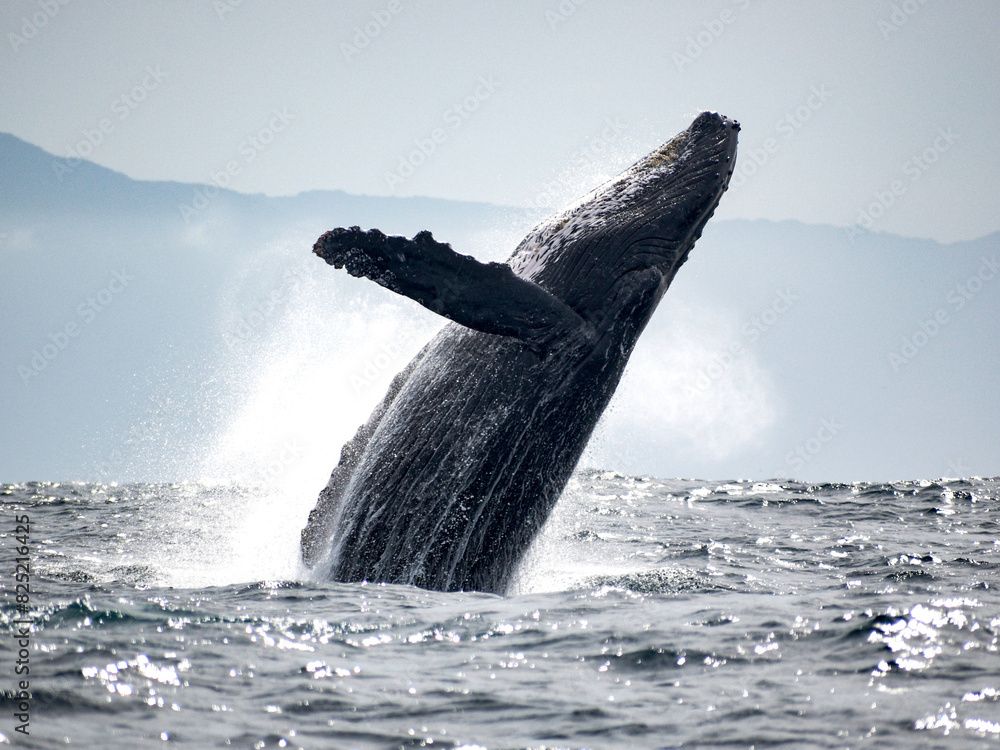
[(451, 478)]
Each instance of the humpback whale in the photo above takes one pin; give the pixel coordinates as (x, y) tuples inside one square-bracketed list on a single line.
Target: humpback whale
[(457, 469)]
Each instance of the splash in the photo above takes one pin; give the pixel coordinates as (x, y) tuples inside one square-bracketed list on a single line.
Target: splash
[(684, 395)]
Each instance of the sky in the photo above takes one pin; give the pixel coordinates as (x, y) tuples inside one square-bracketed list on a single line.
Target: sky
[(871, 115), (880, 114)]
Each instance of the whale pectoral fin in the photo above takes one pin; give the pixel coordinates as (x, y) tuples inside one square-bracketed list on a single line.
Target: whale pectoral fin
[(486, 297)]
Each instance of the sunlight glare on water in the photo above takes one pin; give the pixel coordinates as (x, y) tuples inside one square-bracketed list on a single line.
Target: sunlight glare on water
[(653, 612)]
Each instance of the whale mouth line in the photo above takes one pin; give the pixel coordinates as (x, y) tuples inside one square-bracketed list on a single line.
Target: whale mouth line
[(668, 195), (726, 159)]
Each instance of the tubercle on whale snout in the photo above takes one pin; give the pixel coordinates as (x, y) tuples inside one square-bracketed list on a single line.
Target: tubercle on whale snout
[(678, 195), (707, 125)]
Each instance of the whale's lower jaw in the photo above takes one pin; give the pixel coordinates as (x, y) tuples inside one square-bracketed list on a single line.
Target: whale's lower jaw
[(456, 471)]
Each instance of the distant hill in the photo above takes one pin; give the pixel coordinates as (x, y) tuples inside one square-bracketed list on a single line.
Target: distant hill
[(158, 330)]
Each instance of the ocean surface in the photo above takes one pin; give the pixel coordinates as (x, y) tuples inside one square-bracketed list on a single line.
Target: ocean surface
[(651, 613)]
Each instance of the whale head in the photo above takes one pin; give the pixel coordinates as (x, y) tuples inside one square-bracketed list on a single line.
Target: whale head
[(648, 217)]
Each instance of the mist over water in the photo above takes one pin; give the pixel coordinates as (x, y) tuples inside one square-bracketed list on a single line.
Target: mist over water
[(685, 393), (306, 352), (650, 612)]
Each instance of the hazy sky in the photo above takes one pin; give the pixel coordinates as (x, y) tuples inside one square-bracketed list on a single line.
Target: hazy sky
[(875, 112)]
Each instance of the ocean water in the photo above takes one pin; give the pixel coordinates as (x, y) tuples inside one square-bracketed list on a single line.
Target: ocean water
[(651, 613)]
